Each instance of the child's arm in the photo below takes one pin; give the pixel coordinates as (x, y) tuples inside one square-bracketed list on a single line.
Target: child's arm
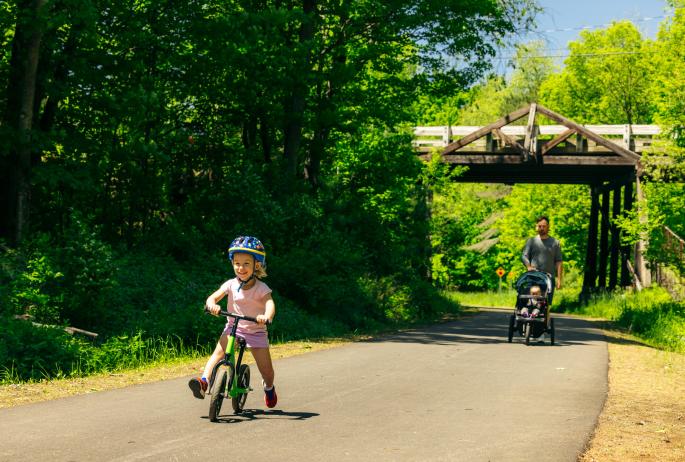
[(269, 310), (213, 300)]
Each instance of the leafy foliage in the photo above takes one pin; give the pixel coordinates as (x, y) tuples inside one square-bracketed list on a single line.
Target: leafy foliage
[(163, 129)]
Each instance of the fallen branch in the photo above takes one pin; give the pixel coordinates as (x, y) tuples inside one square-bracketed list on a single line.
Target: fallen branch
[(68, 329)]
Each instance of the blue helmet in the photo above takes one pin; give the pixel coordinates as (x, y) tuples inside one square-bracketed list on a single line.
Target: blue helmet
[(248, 244)]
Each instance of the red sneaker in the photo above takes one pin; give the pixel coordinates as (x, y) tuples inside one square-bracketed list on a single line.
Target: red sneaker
[(270, 398), (198, 386)]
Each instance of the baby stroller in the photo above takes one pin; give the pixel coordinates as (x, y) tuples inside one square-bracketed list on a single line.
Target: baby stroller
[(530, 313)]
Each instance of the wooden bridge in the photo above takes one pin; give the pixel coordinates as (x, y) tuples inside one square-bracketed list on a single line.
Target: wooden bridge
[(605, 157), (566, 153)]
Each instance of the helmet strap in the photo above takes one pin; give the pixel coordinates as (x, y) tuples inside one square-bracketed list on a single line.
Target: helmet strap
[(242, 283)]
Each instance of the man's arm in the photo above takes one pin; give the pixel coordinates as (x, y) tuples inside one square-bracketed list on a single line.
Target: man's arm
[(525, 256), (560, 272)]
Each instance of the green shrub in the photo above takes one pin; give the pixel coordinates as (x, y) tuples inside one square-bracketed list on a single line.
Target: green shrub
[(33, 353), (650, 314)]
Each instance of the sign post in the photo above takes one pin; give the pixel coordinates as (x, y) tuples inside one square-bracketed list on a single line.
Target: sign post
[(500, 273)]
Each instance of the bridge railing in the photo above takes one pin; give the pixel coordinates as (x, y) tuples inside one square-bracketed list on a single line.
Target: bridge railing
[(634, 137)]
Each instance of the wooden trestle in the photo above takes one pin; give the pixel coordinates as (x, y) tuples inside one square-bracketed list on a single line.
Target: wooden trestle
[(605, 157)]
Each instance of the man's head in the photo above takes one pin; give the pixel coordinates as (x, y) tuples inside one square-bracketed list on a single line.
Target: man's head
[(542, 226)]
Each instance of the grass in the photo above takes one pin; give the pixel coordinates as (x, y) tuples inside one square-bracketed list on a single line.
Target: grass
[(15, 394), (651, 315), (506, 297)]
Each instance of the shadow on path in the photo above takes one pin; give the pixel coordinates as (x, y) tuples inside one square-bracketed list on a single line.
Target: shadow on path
[(490, 326), (259, 414)]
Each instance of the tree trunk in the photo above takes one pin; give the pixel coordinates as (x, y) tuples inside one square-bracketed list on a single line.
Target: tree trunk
[(295, 104), (21, 93)]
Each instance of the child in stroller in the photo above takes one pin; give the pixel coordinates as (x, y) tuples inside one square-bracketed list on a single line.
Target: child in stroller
[(532, 307), (536, 303)]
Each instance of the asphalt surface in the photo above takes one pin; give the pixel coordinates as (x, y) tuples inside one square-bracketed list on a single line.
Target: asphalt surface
[(452, 392)]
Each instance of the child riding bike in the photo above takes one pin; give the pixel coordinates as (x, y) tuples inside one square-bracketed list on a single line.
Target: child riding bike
[(247, 296)]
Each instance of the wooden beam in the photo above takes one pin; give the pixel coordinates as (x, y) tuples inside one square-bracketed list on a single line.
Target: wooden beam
[(507, 119), (556, 141), (620, 150), (529, 128), (507, 139)]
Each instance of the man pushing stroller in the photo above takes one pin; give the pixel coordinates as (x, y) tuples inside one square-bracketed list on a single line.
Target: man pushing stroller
[(543, 253)]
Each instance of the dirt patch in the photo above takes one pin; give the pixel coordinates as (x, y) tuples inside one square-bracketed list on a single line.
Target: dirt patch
[(644, 416), (15, 395)]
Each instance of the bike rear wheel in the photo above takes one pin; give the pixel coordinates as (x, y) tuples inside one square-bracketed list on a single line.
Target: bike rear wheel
[(222, 383), (243, 382)]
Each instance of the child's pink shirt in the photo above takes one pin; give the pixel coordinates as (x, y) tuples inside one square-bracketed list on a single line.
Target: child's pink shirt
[(247, 302)]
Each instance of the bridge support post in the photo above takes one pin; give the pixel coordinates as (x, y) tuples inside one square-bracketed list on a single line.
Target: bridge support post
[(604, 241), (641, 246), (615, 238), (590, 276), (625, 249)]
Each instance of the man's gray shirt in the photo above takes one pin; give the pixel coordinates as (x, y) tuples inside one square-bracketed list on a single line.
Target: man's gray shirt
[(543, 254)]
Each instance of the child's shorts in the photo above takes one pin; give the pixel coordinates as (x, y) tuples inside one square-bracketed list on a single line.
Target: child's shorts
[(252, 339)]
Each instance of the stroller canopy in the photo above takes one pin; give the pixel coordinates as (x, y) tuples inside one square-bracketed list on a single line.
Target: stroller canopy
[(533, 278)]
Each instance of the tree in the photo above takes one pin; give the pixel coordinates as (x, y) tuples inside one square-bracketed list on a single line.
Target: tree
[(499, 96), (606, 78), (18, 119)]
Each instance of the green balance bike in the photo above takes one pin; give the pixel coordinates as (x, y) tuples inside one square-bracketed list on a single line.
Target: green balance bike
[(230, 378)]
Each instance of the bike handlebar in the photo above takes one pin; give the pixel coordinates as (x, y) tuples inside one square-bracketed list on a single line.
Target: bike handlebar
[(236, 316)]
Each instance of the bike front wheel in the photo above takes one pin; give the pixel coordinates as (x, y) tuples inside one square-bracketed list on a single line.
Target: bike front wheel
[(222, 383), (243, 382)]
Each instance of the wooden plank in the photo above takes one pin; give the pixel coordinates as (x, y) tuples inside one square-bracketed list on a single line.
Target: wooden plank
[(520, 130), (590, 135), (485, 130), (555, 142)]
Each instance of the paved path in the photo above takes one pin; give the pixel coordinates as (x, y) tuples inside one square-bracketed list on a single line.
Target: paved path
[(452, 392)]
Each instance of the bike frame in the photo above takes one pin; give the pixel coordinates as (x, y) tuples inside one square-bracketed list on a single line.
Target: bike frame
[(234, 390)]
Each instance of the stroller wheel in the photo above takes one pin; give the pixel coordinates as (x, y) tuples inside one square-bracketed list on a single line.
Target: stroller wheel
[(512, 321), (551, 331), (527, 329)]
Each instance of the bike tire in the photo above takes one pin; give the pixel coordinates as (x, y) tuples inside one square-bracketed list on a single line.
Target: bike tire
[(243, 382), (217, 396), (223, 379), (527, 330)]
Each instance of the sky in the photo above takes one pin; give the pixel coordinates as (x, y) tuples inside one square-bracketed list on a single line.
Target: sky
[(563, 20)]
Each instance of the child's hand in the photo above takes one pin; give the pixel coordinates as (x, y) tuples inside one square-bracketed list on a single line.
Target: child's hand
[(263, 319), (213, 309)]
